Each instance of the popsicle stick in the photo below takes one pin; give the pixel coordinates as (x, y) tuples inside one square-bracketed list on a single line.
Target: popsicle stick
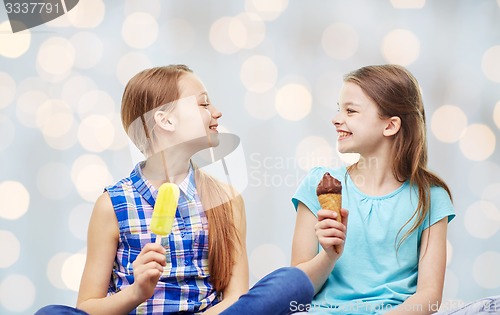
[(158, 239)]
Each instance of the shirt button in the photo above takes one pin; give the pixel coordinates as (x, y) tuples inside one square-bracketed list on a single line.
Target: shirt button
[(186, 262)]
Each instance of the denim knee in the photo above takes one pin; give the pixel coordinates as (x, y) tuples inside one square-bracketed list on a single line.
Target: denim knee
[(59, 310)]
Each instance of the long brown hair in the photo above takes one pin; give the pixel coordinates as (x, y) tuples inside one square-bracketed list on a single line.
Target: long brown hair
[(396, 92), (155, 87)]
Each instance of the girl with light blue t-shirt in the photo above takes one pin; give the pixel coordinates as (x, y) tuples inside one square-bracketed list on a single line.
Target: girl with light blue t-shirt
[(392, 236)]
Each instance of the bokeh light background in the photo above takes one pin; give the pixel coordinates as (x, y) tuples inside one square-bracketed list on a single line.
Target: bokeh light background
[(274, 68)]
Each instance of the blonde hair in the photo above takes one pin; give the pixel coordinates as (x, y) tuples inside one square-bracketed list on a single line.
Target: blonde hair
[(396, 93), (155, 87)]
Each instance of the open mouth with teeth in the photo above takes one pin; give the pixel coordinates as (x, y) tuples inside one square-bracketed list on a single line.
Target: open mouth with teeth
[(213, 127), (343, 134)]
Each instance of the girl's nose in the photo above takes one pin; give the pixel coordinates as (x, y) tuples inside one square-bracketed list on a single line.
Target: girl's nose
[(216, 113), (336, 120)]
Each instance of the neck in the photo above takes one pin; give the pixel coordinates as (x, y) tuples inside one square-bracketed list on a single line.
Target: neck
[(166, 166), (373, 175)]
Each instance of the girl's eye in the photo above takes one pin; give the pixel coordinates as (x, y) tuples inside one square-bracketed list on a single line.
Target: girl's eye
[(205, 104), (350, 111)]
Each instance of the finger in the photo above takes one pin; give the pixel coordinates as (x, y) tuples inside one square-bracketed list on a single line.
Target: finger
[(330, 224), (153, 247), (326, 214), (331, 233), (145, 268)]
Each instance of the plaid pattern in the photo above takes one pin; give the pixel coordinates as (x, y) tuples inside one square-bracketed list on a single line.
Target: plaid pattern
[(185, 284)]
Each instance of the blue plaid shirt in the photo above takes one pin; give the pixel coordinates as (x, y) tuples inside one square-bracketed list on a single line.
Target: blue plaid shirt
[(185, 284)]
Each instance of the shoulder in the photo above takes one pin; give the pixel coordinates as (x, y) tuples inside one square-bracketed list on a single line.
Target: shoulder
[(441, 204), (103, 216)]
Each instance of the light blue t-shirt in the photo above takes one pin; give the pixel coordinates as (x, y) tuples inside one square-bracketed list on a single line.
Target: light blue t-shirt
[(371, 277)]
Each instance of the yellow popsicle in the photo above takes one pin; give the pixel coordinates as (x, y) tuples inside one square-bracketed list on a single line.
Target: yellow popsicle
[(164, 210)]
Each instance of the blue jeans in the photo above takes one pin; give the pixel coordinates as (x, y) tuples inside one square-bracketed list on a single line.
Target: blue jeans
[(488, 305), (272, 295)]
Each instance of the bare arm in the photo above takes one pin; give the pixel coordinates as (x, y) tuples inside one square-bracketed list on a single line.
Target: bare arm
[(431, 270), (238, 284), (102, 244), (311, 231)]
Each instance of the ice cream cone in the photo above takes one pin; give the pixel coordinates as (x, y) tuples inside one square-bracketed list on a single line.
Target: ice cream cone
[(329, 192)]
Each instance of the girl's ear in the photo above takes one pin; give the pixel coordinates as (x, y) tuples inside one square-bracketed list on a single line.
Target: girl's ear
[(393, 126), (164, 121)]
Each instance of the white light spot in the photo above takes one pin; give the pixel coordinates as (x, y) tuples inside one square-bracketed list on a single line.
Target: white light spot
[(140, 30), (482, 219), (293, 101), (401, 47), (340, 41), (491, 64), (88, 49), (95, 102), (72, 270), (408, 4), (53, 180), (58, 124), (13, 45), (75, 87), (131, 64), (17, 293), (255, 29), (448, 123), (496, 114), (259, 73), (56, 57), (54, 118), (486, 271), (120, 140), (7, 89), (14, 200), (315, 151), (87, 14), (152, 7), (348, 158), (96, 133), (260, 105), (268, 10), (10, 249), (90, 175), (227, 35), (265, 259), (478, 142), (54, 268)]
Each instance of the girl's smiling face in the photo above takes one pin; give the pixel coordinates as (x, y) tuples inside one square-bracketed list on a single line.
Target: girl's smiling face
[(359, 126), (196, 118)]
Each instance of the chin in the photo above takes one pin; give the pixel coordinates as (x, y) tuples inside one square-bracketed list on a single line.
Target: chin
[(213, 140)]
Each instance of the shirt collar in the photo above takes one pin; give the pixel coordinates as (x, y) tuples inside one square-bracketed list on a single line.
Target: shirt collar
[(149, 192)]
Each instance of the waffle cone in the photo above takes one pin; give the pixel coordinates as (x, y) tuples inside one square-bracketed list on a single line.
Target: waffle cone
[(332, 202)]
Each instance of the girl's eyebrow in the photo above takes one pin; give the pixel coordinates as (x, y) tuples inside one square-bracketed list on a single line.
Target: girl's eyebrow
[(348, 104)]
